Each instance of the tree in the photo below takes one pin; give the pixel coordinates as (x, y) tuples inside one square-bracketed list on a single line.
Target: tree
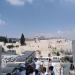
[(22, 40), (3, 39)]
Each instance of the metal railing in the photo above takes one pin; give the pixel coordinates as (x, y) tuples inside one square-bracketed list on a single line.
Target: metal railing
[(15, 69)]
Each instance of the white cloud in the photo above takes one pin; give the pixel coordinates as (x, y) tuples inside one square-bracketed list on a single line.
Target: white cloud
[(23, 2), (16, 2), (19, 2), (2, 22)]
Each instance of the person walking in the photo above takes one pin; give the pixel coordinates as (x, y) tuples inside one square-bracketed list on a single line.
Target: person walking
[(49, 64), (43, 71), (37, 63), (51, 71), (21, 71), (72, 69)]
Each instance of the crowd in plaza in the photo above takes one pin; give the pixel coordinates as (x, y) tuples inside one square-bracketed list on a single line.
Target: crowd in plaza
[(37, 67)]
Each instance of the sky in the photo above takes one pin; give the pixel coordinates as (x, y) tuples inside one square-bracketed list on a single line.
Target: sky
[(51, 18)]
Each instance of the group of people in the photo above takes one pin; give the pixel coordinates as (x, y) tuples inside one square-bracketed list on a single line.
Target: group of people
[(44, 69), (37, 67)]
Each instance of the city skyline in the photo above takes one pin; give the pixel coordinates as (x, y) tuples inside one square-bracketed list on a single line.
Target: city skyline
[(37, 17)]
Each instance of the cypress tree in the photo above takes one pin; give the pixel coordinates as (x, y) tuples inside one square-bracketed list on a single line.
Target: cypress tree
[(22, 40)]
